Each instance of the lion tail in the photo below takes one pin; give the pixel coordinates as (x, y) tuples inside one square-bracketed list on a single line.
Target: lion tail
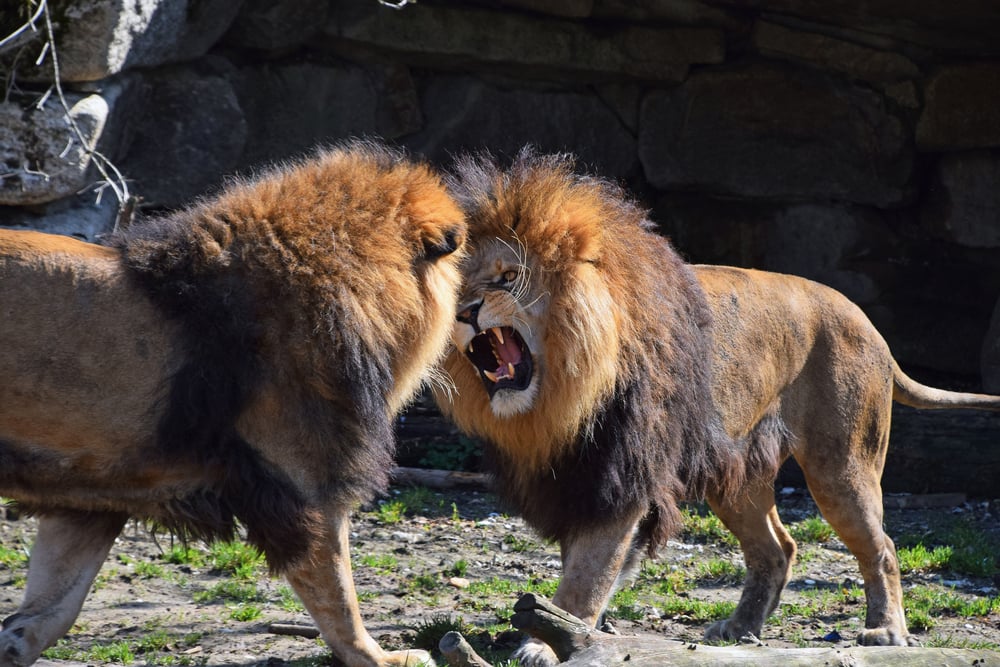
[(909, 392)]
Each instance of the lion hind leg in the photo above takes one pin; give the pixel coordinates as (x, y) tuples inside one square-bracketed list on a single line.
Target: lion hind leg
[(769, 552), (324, 583), (853, 506), (69, 550)]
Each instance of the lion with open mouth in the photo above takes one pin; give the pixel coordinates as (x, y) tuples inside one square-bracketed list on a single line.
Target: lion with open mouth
[(610, 380)]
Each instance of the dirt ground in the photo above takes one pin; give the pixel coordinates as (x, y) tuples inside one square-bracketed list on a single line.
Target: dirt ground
[(409, 577)]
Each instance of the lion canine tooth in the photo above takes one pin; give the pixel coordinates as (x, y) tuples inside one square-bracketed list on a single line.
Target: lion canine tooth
[(498, 333), (510, 369), (492, 376), (470, 348)]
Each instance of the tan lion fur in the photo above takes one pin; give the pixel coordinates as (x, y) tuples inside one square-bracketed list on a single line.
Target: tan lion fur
[(240, 359), (792, 369)]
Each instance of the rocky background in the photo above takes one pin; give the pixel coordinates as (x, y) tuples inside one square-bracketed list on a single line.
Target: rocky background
[(855, 143)]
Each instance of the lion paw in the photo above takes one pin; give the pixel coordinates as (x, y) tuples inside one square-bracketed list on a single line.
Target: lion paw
[(534, 653), (726, 631), (14, 650), (409, 658), (886, 637)]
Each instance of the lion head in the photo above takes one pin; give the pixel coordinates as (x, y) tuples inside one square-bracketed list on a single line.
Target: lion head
[(581, 349)]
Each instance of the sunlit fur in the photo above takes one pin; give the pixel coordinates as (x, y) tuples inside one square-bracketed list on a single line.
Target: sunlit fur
[(620, 351), (236, 361)]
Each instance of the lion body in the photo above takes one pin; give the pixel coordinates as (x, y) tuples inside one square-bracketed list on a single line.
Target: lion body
[(240, 360), (615, 418)]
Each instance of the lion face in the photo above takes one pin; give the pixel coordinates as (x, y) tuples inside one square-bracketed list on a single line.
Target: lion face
[(501, 325)]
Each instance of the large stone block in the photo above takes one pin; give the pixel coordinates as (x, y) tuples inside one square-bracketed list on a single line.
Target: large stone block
[(189, 132), (961, 108), (457, 37), (968, 27), (772, 133), (88, 216), (290, 108), (98, 38), (963, 204), (463, 114), (273, 25), (43, 158), (857, 61)]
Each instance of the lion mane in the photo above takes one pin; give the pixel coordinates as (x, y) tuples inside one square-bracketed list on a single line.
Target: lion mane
[(624, 419), (236, 361)]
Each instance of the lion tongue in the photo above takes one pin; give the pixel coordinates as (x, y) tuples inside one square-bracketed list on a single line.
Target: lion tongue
[(507, 354)]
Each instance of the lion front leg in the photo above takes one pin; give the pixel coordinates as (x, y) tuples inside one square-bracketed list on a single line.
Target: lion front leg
[(323, 581), (68, 553), (595, 563)]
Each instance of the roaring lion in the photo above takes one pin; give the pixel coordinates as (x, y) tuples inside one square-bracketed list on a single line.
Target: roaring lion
[(240, 360), (609, 380)]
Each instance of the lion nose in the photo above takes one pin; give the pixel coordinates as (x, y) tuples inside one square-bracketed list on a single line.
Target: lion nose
[(470, 315)]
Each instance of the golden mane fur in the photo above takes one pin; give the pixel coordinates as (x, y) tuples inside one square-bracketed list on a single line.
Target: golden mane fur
[(239, 360)]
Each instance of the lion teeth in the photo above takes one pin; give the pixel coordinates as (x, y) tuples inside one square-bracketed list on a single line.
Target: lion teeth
[(470, 348), (498, 333), (492, 376), (510, 369)]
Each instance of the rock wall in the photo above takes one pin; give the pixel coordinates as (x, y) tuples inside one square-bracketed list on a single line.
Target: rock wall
[(857, 144)]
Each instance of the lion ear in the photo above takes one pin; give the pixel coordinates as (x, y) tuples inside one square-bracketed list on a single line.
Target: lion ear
[(439, 245), (587, 231)]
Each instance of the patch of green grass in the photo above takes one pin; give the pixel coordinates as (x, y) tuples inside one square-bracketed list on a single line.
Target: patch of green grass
[(458, 569), (814, 530), (719, 570), (384, 563), (625, 605), (245, 612), (390, 512), (940, 641), (703, 527), (497, 586), (427, 583), (233, 591), (663, 579), (149, 570), (288, 600), (427, 634), (13, 558), (182, 554), (236, 558), (120, 652), (974, 552), (518, 544), (923, 603), (919, 559), (688, 610), (422, 499)]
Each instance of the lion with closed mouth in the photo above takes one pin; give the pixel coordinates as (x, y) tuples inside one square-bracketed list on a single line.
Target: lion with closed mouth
[(239, 360), (610, 380)]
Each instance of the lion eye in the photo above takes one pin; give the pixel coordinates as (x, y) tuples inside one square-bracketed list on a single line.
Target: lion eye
[(508, 276)]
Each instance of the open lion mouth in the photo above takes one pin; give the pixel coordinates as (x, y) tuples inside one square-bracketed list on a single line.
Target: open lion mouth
[(502, 358)]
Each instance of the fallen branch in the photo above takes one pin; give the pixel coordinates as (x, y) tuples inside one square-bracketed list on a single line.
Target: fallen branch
[(307, 631), (458, 653), (440, 479), (581, 646)]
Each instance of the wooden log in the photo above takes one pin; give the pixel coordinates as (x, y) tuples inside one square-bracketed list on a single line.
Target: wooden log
[(458, 653), (580, 646), (440, 479), (295, 630)]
